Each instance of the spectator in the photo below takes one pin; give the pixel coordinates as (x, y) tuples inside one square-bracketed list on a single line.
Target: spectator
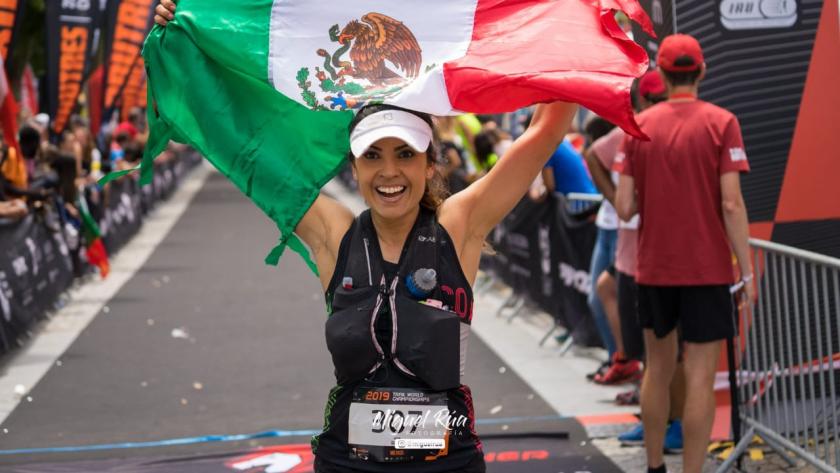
[(566, 172), (10, 207), (32, 190), (452, 165), (117, 152), (600, 156), (13, 209), (91, 156), (490, 145), (134, 125), (468, 126), (65, 161), (685, 184)]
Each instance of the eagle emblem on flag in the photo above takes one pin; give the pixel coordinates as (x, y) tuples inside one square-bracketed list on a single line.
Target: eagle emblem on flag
[(384, 57)]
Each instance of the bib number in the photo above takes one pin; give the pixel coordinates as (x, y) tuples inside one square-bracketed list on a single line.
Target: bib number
[(397, 425)]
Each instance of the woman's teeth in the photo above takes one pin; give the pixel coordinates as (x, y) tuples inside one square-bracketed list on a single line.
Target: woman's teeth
[(390, 190)]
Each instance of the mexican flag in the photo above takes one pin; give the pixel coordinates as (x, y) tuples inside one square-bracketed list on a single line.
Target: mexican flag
[(94, 247), (265, 89)]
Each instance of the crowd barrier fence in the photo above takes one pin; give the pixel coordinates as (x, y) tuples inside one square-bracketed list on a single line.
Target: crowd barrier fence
[(39, 260), (788, 357), (542, 250)]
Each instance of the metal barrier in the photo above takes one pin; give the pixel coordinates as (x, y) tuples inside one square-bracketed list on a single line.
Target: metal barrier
[(789, 351), (578, 203)]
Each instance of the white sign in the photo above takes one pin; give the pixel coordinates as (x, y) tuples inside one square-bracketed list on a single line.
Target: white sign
[(757, 14)]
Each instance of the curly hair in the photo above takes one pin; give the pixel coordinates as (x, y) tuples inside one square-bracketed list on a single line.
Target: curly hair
[(435, 192)]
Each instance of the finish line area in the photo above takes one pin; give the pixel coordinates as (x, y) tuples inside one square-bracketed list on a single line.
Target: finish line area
[(202, 338)]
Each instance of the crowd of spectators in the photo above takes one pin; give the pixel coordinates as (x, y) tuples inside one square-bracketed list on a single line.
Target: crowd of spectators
[(50, 172)]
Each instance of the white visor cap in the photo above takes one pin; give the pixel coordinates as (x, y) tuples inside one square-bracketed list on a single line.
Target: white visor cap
[(391, 124)]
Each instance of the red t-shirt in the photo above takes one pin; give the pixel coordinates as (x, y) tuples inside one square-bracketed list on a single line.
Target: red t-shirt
[(682, 238)]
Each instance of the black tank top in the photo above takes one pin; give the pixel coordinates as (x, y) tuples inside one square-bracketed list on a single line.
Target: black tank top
[(464, 446)]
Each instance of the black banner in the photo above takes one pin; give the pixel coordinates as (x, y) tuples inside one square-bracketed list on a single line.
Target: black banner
[(543, 253), (129, 21), (11, 12), (71, 25), (123, 213), (35, 267)]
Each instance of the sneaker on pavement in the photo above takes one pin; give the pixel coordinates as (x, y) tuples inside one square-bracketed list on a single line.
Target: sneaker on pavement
[(601, 370), (621, 371), (628, 398), (634, 436), (674, 437)]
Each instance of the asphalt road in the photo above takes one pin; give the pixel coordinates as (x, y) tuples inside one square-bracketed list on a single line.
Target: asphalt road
[(250, 358)]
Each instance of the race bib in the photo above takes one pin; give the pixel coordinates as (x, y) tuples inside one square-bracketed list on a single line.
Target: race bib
[(398, 425)]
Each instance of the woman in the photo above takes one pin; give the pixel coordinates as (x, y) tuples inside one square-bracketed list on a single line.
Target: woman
[(398, 283)]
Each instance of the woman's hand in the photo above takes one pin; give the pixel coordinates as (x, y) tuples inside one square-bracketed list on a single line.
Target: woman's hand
[(164, 12)]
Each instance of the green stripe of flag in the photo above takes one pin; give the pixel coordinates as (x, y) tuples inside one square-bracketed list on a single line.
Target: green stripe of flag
[(208, 77)]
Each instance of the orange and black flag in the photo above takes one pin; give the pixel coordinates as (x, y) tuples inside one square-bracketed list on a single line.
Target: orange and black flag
[(11, 12), (71, 28), (129, 21)]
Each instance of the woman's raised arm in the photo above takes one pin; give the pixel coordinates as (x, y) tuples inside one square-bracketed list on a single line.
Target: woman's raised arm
[(486, 202), (322, 228)]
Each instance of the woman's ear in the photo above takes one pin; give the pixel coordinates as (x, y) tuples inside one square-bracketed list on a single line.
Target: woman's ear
[(353, 169), (430, 171)]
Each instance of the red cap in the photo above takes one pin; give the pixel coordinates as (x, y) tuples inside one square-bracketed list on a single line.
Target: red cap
[(680, 53), (651, 84)]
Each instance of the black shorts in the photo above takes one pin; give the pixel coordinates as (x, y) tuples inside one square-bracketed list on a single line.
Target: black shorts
[(628, 315), (702, 313)]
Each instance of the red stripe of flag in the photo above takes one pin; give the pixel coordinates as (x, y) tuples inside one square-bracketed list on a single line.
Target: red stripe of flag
[(525, 52)]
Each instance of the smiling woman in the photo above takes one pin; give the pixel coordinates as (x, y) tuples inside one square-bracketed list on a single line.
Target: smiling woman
[(398, 287), (397, 282), (419, 150)]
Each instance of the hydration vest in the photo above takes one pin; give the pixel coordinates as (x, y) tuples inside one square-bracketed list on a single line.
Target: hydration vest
[(427, 343)]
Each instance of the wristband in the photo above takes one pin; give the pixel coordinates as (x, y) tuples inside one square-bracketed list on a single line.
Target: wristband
[(747, 278)]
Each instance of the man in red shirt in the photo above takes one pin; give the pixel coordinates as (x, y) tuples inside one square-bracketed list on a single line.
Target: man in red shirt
[(685, 185)]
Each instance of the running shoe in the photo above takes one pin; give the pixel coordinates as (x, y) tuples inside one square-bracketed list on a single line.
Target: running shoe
[(674, 437), (628, 398), (621, 371), (600, 371), (634, 436)]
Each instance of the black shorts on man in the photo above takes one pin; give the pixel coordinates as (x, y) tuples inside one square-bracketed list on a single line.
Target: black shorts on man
[(703, 313)]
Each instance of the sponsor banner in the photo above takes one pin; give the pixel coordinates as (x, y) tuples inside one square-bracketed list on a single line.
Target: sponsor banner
[(123, 213), (543, 253), (134, 87), (661, 14), (35, 267), (70, 34), (11, 12), (129, 21)]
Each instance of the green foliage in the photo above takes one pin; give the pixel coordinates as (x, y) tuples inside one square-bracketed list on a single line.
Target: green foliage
[(350, 88), (308, 97), (302, 75)]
